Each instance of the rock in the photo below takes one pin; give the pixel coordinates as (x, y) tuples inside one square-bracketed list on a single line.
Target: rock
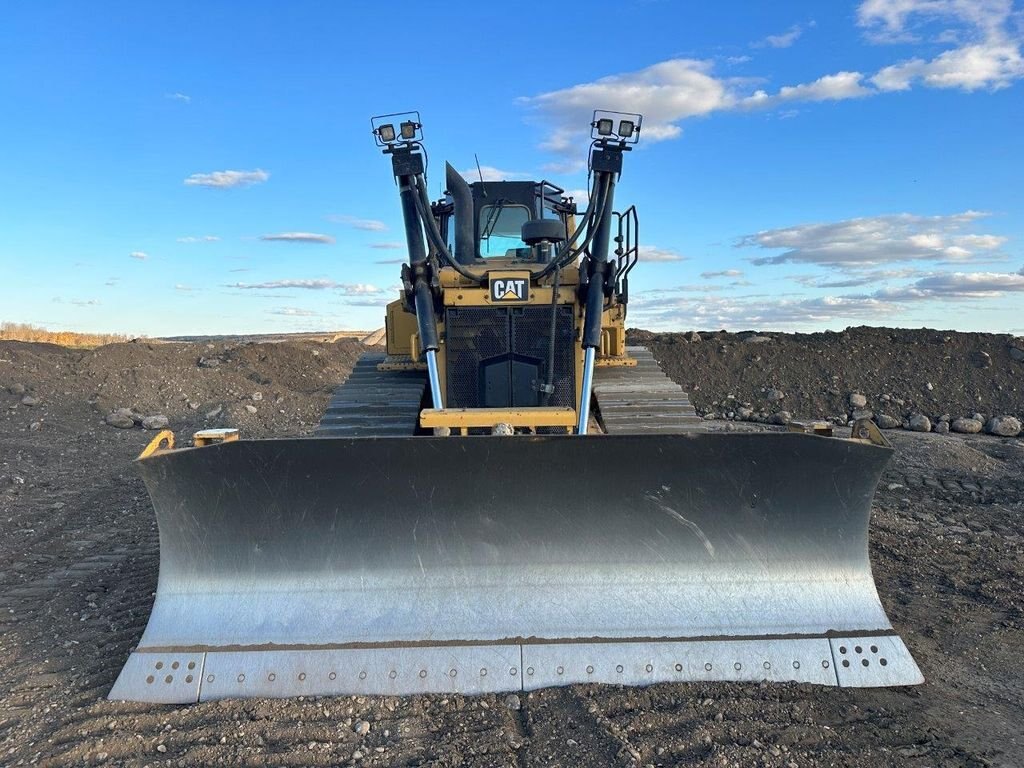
[(16, 389), (693, 337), (257, 396), (782, 417), (862, 414), (161, 748), (250, 408), (159, 421), (29, 400), (209, 362), (885, 421), (744, 414), (918, 422), (774, 395), (929, 386), (942, 427), (1017, 354), (981, 360), (857, 400), (120, 420), (1004, 426), (757, 339), (361, 727), (966, 426), (215, 412), (512, 702), (35, 426)]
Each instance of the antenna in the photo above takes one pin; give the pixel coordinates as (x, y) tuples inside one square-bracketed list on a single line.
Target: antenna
[(481, 174)]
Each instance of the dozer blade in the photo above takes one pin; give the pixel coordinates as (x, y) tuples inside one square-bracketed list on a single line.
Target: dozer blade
[(482, 564)]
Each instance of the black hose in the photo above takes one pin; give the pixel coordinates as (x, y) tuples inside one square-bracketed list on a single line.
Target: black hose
[(549, 385), (569, 251), (434, 234)]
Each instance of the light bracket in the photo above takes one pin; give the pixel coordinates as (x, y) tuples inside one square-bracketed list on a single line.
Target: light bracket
[(608, 125), (409, 129)]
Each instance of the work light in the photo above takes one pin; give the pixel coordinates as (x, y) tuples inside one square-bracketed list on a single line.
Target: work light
[(626, 128), (604, 127), (409, 129), (387, 133)]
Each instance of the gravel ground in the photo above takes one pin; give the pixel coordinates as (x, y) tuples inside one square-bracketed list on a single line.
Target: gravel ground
[(78, 567)]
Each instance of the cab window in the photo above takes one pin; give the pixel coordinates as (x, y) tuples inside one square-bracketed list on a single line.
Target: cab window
[(500, 227)]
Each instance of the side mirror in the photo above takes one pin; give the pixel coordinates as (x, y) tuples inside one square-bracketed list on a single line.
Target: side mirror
[(539, 231)]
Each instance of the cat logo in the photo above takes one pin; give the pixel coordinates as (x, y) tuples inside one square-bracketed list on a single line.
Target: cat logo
[(510, 289)]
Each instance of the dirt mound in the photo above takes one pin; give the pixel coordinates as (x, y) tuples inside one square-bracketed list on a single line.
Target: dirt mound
[(263, 388), (943, 375)]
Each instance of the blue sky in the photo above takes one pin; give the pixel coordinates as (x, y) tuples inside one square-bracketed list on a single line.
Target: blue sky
[(208, 168)]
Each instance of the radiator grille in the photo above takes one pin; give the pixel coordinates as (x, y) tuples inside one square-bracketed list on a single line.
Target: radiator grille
[(511, 344)]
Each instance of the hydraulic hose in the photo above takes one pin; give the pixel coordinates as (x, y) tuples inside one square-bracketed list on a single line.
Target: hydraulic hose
[(549, 385)]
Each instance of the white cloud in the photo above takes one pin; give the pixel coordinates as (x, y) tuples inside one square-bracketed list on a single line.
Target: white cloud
[(346, 289), (199, 239), (390, 261), (178, 97), (991, 65), (957, 285), (722, 273), (85, 302), (654, 253), (890, 20), (181, 287), (837, 87), (298, 237), (490, 173), (367, 225), (990, 56), (227, 179), (782, 40), (713, 312), (293, 312), (856, 279), (387, 246), (873, 240), (140, 255), (665, 93)]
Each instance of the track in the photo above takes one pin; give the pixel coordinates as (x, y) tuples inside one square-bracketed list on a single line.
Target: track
[(374, 403), (642, 400), (631, 401)]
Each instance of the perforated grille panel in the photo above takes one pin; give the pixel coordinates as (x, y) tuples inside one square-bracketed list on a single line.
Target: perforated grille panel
[(494, 356)]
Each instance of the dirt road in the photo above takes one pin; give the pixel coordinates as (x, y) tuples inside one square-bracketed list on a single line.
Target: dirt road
[(78, 567)]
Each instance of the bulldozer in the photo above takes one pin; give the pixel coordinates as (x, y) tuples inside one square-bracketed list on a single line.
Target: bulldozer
[(511, 496)]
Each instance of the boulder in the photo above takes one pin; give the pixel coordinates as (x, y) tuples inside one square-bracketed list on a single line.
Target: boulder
[(857, 400), (918, 422), (1004, 426), (781, 418), (885, 421), (966, 426), (120, 419), (158, 421)]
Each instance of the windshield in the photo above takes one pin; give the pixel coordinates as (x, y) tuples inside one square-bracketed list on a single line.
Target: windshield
[(500, 227)]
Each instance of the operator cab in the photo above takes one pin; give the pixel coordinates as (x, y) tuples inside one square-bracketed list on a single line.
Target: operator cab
[(514, 221)]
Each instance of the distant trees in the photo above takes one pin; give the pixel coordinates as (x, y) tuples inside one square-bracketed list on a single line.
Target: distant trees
[(26, 332)]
